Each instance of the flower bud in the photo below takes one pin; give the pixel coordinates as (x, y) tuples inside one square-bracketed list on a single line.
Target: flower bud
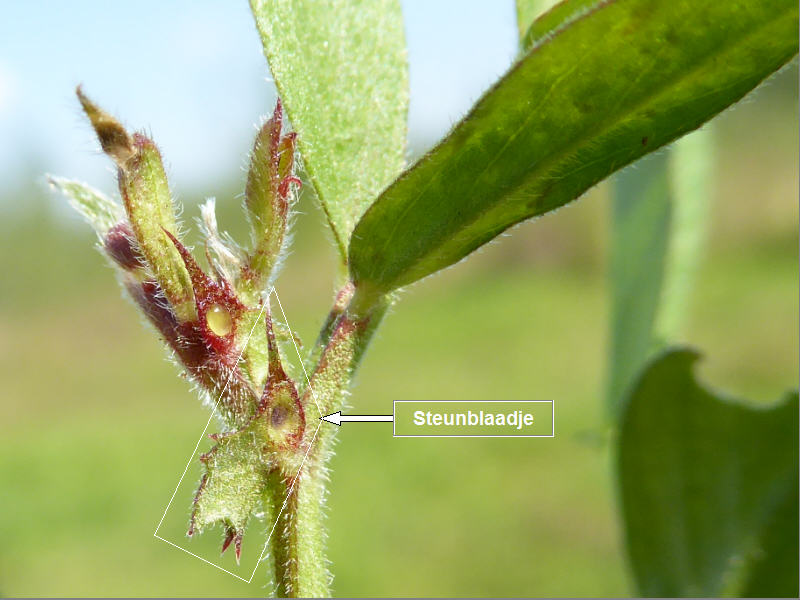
[(148, 203), (267, 198), (121, 246)]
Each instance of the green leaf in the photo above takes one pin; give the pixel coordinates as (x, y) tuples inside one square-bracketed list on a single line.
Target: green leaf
[(341, 70), (709, 487), (773, 571), (232, 487), (528, 11), (659, 214), (97, 208), (538, 19), (608, 85)]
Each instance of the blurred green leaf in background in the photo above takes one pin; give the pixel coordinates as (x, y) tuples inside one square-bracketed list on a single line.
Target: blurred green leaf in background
[(660, 209), (709, 487)]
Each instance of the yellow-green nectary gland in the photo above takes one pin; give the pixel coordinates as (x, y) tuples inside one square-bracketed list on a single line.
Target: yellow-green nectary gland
[(219, 320)]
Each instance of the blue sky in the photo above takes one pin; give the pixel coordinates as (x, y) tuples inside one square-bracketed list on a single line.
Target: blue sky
[(192, 73)]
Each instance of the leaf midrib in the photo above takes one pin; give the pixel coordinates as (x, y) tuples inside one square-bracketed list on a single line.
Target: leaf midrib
[(570, 148), (412, 203)]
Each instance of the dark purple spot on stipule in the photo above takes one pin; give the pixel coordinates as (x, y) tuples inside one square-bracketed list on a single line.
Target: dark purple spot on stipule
[(278, 416)]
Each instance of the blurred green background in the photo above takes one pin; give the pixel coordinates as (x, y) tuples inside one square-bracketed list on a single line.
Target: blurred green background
[(96, 427)]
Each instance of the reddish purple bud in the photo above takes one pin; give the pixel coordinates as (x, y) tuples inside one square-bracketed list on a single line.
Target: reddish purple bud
[(121, 246), (150, 298)]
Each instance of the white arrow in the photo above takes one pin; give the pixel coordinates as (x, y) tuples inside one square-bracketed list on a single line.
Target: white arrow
[(338, 418)]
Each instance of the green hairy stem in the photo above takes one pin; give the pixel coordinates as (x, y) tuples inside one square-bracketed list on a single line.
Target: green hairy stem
[(298, 540)]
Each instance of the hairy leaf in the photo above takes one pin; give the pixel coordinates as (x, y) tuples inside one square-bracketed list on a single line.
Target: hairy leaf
[(609, 83), (97, 208), (709, 487), (232, 486), (529, 11), (340, 68)]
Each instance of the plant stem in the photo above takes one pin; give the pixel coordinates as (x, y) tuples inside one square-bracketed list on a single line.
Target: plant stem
[(298, 542), (340, 304)]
